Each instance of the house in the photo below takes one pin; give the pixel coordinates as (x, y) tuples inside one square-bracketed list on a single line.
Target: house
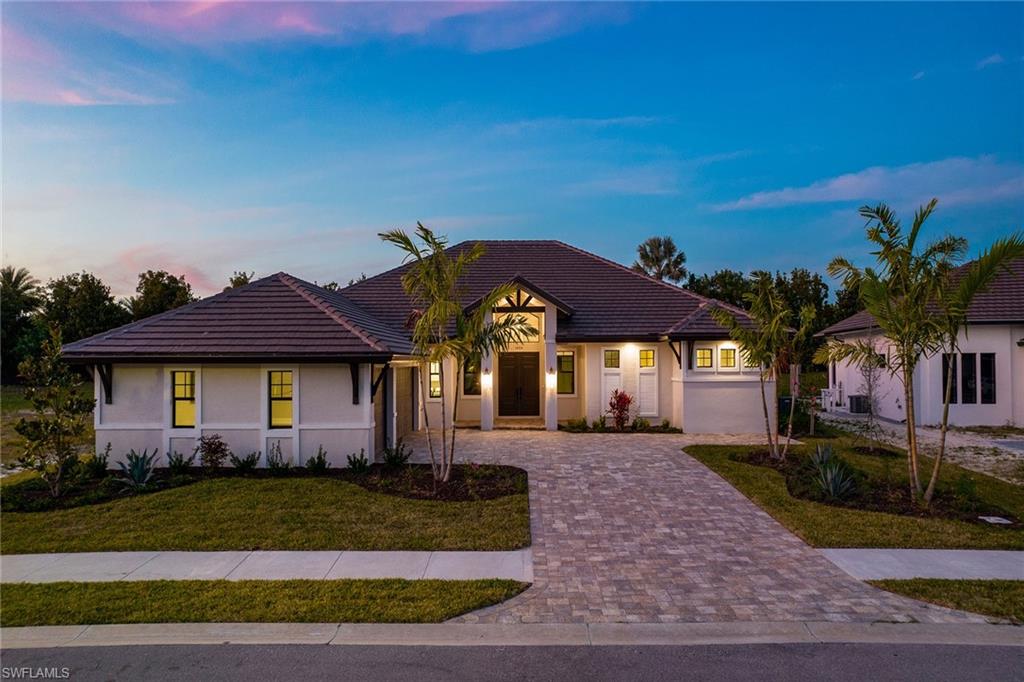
[(282, 362), (988, 371)]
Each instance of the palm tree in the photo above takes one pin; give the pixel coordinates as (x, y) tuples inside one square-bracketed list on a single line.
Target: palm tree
[(658, 257), (901, 295), (952, 314), (18, 285), (433, 282), (764, 343)]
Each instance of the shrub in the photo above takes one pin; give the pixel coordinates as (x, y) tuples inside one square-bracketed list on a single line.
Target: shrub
[(831, 474), (247, 463), (178, 464), (577, 425), (641, 424), (96, 466), (358, 464), (276, 462), (618, 408), (665, 425), (318, 464), (137, 469), (600, 424), (396, 456), (212, 451)]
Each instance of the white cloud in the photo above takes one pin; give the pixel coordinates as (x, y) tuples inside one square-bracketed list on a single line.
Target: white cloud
[(991, 60), (918, 76), (956, 180), (559, 122)]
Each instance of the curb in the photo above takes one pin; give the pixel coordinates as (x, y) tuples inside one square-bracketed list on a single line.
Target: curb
[(538, 634)]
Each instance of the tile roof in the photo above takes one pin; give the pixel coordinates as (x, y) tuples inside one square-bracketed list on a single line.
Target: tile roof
[(1002, 301), (607, 300), (278, 316)]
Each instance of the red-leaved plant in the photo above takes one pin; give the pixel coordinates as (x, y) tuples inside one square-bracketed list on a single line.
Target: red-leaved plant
[(618, 408)]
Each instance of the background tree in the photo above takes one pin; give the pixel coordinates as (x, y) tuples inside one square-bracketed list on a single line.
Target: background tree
[(659, 258), (239, 279), (360, 278), (81, 305), (20, 297), (901, 294), (951, 316), (59, 426), (158, 292), (728, 286)]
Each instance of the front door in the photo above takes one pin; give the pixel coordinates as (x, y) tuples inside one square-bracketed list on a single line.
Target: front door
[(519, 384)]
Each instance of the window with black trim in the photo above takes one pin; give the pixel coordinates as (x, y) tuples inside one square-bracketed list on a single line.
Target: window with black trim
[(611, 359), (646, 358), (988, 378), (705, 359), (471, 377), (434, 385), (183, 399), (566, 372), (727, 358), (279, 385), (968, 378), (948, 361)]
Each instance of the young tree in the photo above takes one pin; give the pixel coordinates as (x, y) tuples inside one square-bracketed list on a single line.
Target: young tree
[(764, 342), (442, 328), (954, 301), (62, 411), (901, 295), (239, 279), (20, 297), (81, 305), (658, 257), (159, 292)]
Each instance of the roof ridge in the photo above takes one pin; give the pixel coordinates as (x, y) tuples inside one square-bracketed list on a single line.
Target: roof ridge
[(300, 287), (620, 266)]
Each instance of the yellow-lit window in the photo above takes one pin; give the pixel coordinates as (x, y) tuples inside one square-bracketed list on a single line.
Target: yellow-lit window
[(611, 359), (435, 380), (183, 399), (727, 358), (646, 358), (280, 385), (704, 358), (566, 372)]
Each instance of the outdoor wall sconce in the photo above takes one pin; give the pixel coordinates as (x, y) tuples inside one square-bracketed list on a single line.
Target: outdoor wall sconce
[(487, 379), (551, 380)]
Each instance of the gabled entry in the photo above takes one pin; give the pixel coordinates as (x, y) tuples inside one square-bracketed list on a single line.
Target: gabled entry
[(519, 384)]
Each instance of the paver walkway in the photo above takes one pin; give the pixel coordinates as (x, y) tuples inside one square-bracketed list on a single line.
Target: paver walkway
[(331, 565), (966, 564), (628, 528)]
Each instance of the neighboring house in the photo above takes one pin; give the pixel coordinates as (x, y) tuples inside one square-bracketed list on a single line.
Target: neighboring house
[(988, 376), (282, 361)]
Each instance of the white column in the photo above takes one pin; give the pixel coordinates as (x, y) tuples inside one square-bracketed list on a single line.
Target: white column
[(550, 368), (487, 388)]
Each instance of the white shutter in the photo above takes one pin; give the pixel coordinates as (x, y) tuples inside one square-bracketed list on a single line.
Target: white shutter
[(648, 393)]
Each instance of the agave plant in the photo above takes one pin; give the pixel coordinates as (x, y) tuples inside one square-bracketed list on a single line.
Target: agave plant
[(137, 469), (831, 474)]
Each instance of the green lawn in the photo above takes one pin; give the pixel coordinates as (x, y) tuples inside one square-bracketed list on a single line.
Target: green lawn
[(830, 526), (13, 407), (249, 601), (270, 513), (1000, 598)]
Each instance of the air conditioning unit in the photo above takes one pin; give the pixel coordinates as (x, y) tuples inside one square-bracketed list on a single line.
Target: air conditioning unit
[(859, 404)]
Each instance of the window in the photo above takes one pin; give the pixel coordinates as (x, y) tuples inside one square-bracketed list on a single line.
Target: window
[(434, 387), (969, 378), (727, 358), (947, 361), (704, 358), (988, 378), (183, 399), (750, 363), (280, 385), (471, 377), (611, 359), (647, 358), (566, 372)]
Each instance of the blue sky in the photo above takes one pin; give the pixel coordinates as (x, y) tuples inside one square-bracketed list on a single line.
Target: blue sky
[(204, 138)]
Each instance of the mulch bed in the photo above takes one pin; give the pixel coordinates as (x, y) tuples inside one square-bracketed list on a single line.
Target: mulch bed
[(468, 482), (873, 494)]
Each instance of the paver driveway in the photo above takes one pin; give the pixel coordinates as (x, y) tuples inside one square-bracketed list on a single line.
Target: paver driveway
[(628, 528)]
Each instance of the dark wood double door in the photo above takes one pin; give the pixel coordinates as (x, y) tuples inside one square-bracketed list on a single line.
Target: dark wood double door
[(519, 384)]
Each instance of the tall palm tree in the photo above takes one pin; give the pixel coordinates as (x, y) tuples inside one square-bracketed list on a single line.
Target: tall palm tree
[(659, 258), (951, 316), (900, 294), (18, 285), (441, 327)]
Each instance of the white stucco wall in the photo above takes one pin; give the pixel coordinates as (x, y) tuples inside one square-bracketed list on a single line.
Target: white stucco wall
[(722, 399), (231, 400), (600, 380)]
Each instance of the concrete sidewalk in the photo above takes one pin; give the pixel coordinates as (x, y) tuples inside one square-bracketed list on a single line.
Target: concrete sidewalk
[(111, 566), (540, 634), (879, 564)]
